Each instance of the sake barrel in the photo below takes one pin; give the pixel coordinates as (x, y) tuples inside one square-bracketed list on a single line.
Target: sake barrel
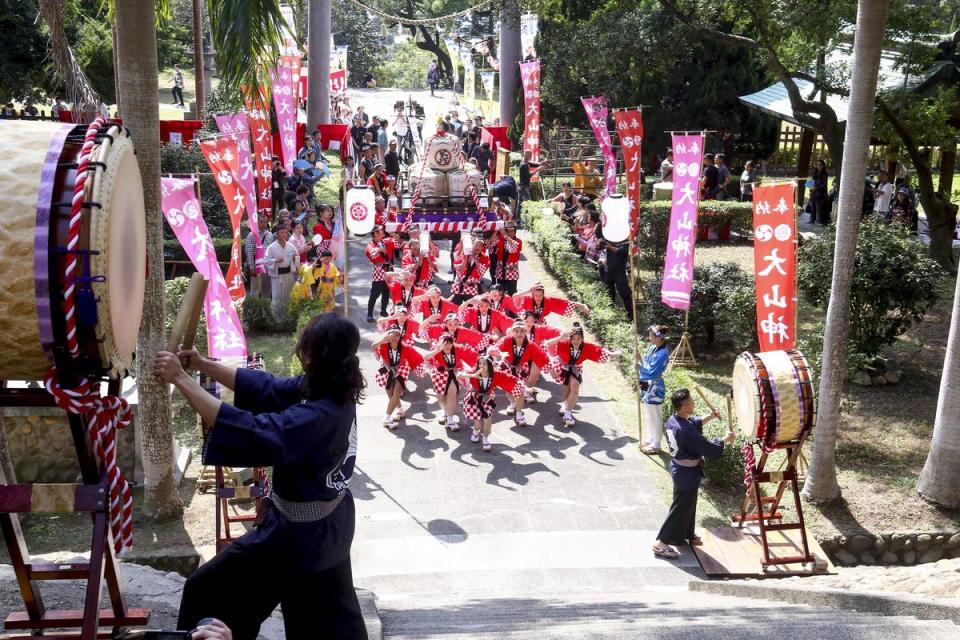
[(459, 182), (442, 152), (431, 184)]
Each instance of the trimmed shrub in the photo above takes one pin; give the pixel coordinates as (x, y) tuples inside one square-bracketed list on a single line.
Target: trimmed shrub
[(722, 307), (653, 225), (894, 283)]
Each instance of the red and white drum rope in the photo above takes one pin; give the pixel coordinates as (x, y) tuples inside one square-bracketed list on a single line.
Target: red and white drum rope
[(423, 165), (103, 416), (475, 194), (442, 227), (73, 237)]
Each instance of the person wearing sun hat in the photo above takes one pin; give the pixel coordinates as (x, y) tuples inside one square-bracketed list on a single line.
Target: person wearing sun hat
[(397, 362)]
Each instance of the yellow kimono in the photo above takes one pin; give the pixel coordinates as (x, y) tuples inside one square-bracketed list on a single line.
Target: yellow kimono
[(326, 280)]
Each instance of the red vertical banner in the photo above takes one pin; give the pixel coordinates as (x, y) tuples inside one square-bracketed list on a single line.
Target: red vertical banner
[(258, 115), (338, 81), (224, 159), (629, 124), (775, 265), (530, 78)]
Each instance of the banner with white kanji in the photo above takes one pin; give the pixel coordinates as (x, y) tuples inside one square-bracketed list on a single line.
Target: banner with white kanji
[(775, 265), (678, 266), (530, 79), (223, 157), (182, 210)]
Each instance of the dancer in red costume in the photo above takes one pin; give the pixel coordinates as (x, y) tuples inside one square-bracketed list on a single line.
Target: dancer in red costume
[(403, 288), (533, 299), (508, 250), (421, 261), (448, 360), (524, 360), (397, 363), (502, 302), (432, 330), (433, 304), (470, 263), (569, 353), (480, 401), (409, 328), (478, 315)]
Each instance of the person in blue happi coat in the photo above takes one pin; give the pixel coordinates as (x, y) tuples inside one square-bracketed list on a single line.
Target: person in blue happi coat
[(688, 448), (650, 369), (305, 428)]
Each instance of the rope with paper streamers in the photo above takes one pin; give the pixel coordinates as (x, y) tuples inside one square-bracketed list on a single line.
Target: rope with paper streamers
[(416, 22), (102, 416)]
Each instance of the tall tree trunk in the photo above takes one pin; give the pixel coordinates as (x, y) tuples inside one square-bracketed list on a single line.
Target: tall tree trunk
[(198, 73), (318, 84), (137, 52), (821, 484), (509, 60), (83, 98), (434, 45), (940, 478)]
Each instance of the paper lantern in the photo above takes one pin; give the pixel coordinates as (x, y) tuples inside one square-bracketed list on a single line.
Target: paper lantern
[(361, 210), (615, 217)]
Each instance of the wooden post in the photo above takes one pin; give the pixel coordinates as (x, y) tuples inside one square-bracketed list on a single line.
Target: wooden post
[(683, 356), (346, 256), (637, 357)]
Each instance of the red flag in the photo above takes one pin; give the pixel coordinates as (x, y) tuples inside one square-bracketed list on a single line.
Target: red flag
[(629, 124), (775, 265), (530, 77), (224, 159)]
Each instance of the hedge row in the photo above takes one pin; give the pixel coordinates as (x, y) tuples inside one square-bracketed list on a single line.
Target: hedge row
[(654, 224)]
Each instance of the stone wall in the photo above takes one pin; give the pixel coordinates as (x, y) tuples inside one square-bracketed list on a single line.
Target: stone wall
[(892, 548), (41, 446)]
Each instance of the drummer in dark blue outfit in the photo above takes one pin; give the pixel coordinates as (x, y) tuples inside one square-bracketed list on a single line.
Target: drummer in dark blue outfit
[(305, 428), (688, 448)]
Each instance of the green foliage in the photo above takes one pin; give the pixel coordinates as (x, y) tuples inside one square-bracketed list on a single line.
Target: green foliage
[(94, 51), (173, 251), (894, 283), (256, 315), (654, 224), (186, 160), (242, 32), (722, 307), (696, 89), (173, 293), (405, 66), (22, 71), (366, 53)]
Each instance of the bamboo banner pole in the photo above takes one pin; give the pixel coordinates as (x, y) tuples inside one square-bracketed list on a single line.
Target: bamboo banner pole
[(346, 257)]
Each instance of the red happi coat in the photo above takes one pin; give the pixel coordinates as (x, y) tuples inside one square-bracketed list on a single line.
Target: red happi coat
[(485, 324), (469, 271), (380, 259), (426, 308), (444, 373), (567, 363), (540, 333), (396, 363), (400, 295), (480, 401), (424, 266), (506, 306), (508, 258), (408, 329), (520, 356), (461, 336), (547, 306)]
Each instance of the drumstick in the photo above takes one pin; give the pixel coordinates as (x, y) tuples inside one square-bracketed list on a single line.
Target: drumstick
[(709, 404), (188, 317)]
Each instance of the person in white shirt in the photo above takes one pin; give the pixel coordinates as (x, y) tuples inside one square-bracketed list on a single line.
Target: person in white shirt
[(882, 194), (666, 167), (282, 262)]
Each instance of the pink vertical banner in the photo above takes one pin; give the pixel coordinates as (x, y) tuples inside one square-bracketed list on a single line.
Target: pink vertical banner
[(530, 78), (678, 267), (597, 112), (285, 103), (183, 213)]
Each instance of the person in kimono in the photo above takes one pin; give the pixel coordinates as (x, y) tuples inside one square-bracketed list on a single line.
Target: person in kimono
[(305, 428), (651, 367), (403, 288), (502, 302), (688, 448), (478, 315), (409, 328), (397, 362), (433, 304), (480, 401), (448, 360), (570, 351)]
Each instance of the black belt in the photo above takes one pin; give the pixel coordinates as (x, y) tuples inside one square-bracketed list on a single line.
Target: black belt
[(283, 270)]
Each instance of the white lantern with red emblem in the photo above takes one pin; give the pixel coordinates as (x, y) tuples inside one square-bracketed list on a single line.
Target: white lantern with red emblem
[(615, 217), (361, 210)]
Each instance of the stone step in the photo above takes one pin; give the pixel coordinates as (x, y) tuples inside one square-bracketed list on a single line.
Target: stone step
[(668, 614)]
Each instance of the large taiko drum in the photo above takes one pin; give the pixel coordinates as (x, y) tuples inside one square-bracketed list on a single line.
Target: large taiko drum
[(773, 396), (38, 170)]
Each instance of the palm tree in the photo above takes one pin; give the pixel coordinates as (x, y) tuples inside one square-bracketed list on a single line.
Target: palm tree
[(940, 478), (136, 24), (821, 484)]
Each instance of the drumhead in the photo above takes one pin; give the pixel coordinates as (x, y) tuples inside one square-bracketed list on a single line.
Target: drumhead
[(119, 228), (746, 398), (782, 378)]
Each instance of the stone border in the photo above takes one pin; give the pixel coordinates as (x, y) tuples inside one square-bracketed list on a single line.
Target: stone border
[(371, 614), (888, 605), (904, 548)]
